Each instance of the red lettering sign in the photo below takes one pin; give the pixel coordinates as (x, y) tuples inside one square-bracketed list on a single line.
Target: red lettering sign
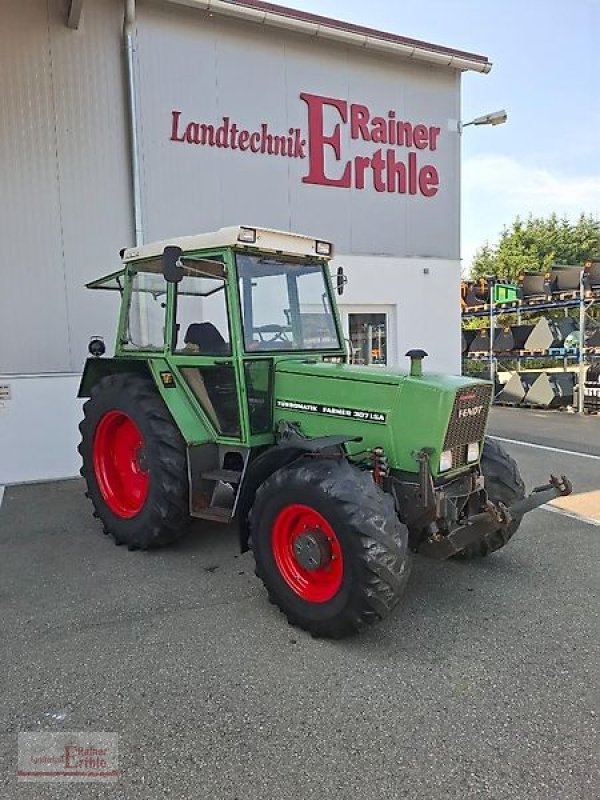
[(384, 168), (318, 140)]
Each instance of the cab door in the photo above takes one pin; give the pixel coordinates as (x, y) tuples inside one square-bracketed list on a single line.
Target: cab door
[(201, 350)]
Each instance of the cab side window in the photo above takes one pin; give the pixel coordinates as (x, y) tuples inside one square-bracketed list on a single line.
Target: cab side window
[(145, 328), (201, 325)]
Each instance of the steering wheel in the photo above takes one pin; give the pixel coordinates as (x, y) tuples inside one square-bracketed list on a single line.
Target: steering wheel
[(279, 333)]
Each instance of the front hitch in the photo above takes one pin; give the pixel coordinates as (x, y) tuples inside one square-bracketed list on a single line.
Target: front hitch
[(556, 487), (442, 546)]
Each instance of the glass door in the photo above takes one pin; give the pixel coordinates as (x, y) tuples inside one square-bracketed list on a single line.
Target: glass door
[(201, 347)]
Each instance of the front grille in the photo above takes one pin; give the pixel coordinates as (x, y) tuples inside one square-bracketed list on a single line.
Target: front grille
[(467, 421)]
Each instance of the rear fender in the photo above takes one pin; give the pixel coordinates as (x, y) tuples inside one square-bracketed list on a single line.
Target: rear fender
[(97, 368), (194, 428)]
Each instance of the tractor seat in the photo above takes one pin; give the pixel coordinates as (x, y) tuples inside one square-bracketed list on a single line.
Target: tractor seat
[(206, 338)]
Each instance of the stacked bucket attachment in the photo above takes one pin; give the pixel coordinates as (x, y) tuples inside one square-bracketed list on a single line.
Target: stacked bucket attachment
[(593, 342), (539, 389), (591, 390), (551, 390), (591, 277), (560, 282), (535, 286), (481, 344), (546, 337), (549, 334), (561, 289), (474, 294), (468, 335), (515, 390)]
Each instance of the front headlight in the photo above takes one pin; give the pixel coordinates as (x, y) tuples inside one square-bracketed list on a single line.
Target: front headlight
[(472, 452), (446, 461)]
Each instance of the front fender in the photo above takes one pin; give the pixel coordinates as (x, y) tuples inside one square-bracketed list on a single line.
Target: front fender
[(291, 447)]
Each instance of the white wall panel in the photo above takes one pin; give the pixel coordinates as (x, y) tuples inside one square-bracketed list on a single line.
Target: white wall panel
[(33, 313), (38, 428), (182, 188), (426, 310), (64, 180), (93, 160)]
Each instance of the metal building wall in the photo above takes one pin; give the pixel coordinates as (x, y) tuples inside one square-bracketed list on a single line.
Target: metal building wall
[(64, 180), (65, 186), (209, 67)]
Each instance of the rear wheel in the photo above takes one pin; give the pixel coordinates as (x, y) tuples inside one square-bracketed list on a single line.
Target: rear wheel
[(328, 546), (134, 463), (503, 484)]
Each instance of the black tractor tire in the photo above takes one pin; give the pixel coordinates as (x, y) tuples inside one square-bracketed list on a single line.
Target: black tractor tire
[(125, 411), (370, 540), (503, 484)]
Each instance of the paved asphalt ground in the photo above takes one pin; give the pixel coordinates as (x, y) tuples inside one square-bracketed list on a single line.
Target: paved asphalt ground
[(485, 684)]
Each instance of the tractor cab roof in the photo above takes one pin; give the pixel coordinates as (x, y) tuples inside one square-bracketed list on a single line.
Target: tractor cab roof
[(239, 236)]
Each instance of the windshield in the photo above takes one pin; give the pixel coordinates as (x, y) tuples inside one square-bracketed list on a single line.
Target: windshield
[(285, 305)]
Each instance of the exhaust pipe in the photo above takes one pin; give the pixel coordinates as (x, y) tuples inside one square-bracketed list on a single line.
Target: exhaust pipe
[(416, 362)]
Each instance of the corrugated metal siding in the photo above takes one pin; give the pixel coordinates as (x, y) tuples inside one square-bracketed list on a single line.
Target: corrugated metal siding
[(64, 180), (209, 67), (64, 166), (34, 333)]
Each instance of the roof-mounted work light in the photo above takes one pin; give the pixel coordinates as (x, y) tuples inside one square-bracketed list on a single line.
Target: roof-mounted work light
[(323, 248), (247, 235)]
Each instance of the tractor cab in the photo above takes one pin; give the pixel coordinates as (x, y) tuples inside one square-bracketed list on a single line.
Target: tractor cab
[(218, 310)]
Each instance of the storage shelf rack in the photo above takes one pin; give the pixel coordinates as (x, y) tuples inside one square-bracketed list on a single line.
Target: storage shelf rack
[(583, 300)]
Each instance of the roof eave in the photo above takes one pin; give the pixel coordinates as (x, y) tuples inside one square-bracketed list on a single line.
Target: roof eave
[(311, 25)]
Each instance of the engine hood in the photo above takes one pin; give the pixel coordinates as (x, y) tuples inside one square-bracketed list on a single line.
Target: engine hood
[(381, 375), (386, 407)]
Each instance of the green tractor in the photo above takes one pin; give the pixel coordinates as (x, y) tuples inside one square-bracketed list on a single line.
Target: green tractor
[(229, 397)]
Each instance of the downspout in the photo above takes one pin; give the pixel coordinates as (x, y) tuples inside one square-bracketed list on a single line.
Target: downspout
[(129, 42)]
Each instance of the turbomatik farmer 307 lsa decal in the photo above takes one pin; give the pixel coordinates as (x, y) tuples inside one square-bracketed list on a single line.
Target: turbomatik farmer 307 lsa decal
[(333, 411)]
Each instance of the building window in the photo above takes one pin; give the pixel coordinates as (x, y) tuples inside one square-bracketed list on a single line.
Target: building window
[(368, 337)]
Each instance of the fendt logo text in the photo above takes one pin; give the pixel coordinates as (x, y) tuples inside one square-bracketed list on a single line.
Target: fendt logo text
[(474, 411)]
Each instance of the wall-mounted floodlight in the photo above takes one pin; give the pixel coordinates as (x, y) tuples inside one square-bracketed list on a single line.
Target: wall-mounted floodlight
[(495, 118)]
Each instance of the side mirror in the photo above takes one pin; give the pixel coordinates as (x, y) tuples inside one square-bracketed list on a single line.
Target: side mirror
[(341, 280), (171, 265)]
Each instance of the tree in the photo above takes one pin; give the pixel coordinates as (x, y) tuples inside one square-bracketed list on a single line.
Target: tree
[(536, 243)]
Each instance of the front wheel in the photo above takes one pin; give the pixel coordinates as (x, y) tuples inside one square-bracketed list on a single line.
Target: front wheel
[(328, 546), (134, 463), (503, 484)]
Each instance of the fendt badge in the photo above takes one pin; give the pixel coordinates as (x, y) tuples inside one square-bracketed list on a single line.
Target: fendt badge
[(474, 411)]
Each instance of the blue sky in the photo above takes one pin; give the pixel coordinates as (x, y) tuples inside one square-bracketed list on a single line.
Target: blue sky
[(546, 74)]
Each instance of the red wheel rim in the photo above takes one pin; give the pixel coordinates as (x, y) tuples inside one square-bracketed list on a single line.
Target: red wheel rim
[(117, 452), (316, 585)]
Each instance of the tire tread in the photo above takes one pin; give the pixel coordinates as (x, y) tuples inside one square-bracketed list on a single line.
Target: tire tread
[(168, 513), (504, 484), (381, 539)]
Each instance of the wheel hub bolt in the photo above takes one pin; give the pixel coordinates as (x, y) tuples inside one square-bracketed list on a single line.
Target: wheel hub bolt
[(312, 550)]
